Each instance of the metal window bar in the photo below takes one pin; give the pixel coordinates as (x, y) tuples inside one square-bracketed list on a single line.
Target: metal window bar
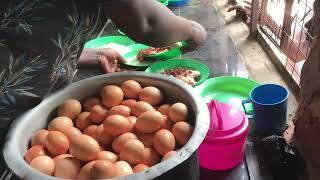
[(289, 33)]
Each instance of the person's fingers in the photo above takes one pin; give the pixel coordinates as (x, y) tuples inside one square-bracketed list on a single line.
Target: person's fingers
[(120, 59), (104, 64), (236, 7), (108, 66), (186, 49)]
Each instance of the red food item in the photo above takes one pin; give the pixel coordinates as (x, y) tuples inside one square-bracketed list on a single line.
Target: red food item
[(186, 75), (151, 51)]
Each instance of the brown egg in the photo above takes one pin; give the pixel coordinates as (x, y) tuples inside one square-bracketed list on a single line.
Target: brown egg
[(132, 152), (141, 107), (102, 136), (116, 125), (146, 139), (61, 156), (44, 164), (84, 173), (71, 132), (108, 156), (178, 112), (122, 168), (151, 95), (67, 168), (84, 148), (64, 125), (70, 108), (163, 141), (83, 120), (59, 123), (34, 152), (182, 131), (132, 120), (149, 121), (39, 137), (90, 102), (111, 95), (98, 113), (90, 130), (102, 169), (164, 109), (131, 89), (139, 168), (120, 110), (168, 155), (57, 143), (168, 124), (150, 157), (129, 102), (119, 142)]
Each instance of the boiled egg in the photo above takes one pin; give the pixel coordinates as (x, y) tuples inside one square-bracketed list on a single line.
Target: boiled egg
[(111, 95), (70, 108), (151, 95), (182, 131), (178, 112), (131, 89), (84, 148), (164, 141)]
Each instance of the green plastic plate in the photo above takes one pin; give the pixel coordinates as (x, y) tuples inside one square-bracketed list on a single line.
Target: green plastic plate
[(191, 64), (100, 42), (228, 89), (131, 57), (172, 53), (165, 2)]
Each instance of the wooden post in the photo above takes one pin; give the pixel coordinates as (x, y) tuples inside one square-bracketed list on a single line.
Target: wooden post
[(286, 25), (254, 17)]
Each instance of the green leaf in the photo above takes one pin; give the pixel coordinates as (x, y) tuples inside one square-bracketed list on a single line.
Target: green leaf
[(54, 42), (70, 18), (24, 80), (23, 88), (11, 99), (59, 41), (2, 75), (11, 65), (87, 20)]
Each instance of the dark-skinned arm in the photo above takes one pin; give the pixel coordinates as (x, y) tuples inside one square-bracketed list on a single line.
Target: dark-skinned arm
[(150, 22)]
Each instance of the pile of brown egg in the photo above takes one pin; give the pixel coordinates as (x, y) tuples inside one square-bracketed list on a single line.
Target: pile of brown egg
[(123, 130)]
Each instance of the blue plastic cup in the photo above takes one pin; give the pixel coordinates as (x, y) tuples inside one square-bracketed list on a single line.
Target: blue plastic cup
[(269, 108)]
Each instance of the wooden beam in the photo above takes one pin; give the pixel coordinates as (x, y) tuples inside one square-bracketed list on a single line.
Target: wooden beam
[(254, 17)]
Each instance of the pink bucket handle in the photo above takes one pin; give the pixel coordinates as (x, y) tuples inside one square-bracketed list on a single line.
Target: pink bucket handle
[(215, 104)]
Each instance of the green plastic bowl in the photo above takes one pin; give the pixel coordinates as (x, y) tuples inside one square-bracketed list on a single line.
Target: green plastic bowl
[(191, 64), (228, 89), (99, 42)]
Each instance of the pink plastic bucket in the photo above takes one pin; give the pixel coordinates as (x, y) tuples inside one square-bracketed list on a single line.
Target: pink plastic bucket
[(224, 145)]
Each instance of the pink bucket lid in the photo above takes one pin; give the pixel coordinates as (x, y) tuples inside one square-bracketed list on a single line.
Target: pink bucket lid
[(227, 123)]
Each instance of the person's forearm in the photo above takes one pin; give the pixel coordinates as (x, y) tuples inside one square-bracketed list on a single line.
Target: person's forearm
[(150, 22), (88, 58)]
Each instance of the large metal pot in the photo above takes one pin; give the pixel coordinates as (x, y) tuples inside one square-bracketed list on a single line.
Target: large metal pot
[(184, 165)]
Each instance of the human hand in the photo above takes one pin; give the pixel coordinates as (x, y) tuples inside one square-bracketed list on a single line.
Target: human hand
[(108, 60), (243, 10), (198, 37)]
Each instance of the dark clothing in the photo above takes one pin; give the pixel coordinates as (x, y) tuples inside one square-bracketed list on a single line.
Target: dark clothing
[(44, 39), (57, 32)]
